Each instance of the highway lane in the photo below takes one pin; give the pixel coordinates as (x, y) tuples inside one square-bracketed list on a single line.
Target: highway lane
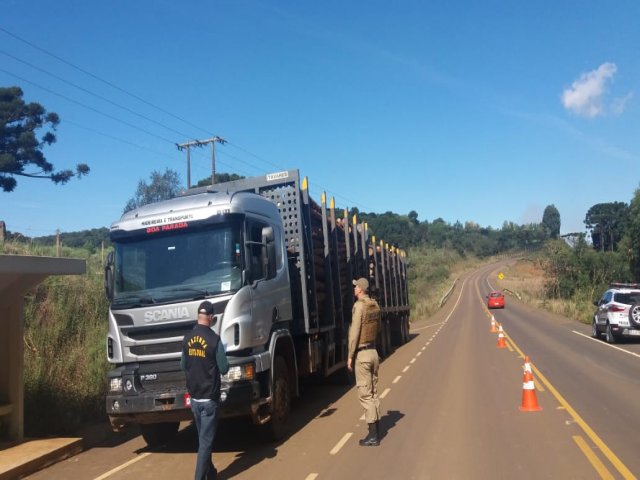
[(601, 382), (450, 409)]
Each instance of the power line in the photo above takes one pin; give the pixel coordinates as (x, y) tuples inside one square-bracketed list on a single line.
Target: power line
[(96, 77), (112, 85), (87, 106), (93, 94)]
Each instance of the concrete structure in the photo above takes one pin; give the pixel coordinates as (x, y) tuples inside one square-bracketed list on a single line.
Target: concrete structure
[(18, 275)]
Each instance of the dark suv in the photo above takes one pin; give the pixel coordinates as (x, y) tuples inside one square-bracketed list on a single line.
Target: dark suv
[(618, 313)]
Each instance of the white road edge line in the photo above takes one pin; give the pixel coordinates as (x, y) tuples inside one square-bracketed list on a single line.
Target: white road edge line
[(123, 466), (605, 344), (426, 326), (341, 443)]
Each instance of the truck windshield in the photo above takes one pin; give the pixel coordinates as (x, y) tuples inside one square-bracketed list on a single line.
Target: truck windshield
[(181, 265)]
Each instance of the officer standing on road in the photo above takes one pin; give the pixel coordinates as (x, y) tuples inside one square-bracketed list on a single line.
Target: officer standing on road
[(203, 360), (365, 323)]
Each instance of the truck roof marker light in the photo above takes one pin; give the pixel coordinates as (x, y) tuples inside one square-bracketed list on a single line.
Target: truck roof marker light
[(332, 203), (305, 183), (355, 219), (323, 198)]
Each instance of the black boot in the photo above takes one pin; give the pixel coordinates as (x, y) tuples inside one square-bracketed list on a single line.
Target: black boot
[(371, 440)]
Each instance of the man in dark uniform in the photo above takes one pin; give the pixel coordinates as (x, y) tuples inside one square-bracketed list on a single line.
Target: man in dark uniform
[(365, 323), (203, 360)]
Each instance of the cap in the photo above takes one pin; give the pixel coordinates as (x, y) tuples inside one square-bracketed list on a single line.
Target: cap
[(206, 308), (363, 283)]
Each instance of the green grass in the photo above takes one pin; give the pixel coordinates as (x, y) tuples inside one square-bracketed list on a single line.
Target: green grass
[(64, 352)]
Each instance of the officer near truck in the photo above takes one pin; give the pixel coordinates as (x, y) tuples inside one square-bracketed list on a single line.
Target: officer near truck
[(365, 323)]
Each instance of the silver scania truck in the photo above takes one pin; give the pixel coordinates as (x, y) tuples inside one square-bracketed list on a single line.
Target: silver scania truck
[(278, 268)]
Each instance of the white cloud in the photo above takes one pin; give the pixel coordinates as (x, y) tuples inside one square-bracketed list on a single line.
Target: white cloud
[(618, 104), (585, 97)]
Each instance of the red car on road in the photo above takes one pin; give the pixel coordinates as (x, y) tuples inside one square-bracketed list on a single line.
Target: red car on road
[(495, 299)]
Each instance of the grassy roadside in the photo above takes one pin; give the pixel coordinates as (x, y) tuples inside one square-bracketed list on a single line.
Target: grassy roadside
[(64, 353), (527, 278)]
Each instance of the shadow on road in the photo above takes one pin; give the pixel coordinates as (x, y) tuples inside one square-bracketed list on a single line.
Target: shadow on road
[(389, 421)]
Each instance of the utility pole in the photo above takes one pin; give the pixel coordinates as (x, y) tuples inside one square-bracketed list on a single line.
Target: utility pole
[(201, 143)]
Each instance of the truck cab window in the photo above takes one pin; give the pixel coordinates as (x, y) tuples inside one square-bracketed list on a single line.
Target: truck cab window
[(256, 252)]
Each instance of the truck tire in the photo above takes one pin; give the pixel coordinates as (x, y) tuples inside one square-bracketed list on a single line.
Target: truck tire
[(609, 336), (281, 400), (407, 327), (156, 434), (634, 314)]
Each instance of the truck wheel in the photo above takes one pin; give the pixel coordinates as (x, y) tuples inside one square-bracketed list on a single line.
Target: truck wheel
[(609, 335), (634, 314), (407, 328), (594, 329), (156, 434), (281, 406)]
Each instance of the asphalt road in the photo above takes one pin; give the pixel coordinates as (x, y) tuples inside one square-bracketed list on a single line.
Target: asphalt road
[(450, 400)]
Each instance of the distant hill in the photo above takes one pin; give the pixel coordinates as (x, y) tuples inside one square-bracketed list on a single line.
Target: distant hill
[(90, 239)]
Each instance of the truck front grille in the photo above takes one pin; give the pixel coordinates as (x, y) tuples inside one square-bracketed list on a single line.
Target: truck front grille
[(157, 349)]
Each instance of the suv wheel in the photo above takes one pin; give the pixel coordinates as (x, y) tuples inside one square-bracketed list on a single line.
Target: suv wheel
[(609, 335), (594, 329), (634, 314)]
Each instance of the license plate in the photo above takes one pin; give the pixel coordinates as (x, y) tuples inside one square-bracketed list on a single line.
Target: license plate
[(634, 332)]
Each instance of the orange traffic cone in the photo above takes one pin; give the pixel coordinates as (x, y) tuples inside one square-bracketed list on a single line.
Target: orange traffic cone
[(529, 399), (501, 343), (493, 325)]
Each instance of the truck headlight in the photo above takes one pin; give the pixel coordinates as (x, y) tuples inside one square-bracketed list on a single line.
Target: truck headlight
[(115, 385), (240, 372)]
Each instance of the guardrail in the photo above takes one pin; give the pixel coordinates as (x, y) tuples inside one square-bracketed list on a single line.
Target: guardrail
[(512, 293), (444, 299)]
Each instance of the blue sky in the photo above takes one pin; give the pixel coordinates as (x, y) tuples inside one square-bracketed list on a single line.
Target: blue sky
[(468, 111)]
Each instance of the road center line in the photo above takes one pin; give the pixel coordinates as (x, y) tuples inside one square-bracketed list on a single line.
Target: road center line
[(311, 476), (397, 379), (385, 393), (606, 344), (123, 466), (595, 461), (341, 443), (405, 369)]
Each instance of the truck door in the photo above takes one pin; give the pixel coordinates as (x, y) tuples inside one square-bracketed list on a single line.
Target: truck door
[(264, 292)]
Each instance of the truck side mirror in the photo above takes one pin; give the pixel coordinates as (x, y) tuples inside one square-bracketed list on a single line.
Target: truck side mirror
[(108, 277), (268, 240)]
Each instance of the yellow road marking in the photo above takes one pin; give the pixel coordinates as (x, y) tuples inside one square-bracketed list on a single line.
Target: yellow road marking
[(612, 457), (595, 461), (597, 441)]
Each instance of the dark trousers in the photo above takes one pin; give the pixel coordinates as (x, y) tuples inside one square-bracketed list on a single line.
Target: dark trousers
[(205, 415)]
